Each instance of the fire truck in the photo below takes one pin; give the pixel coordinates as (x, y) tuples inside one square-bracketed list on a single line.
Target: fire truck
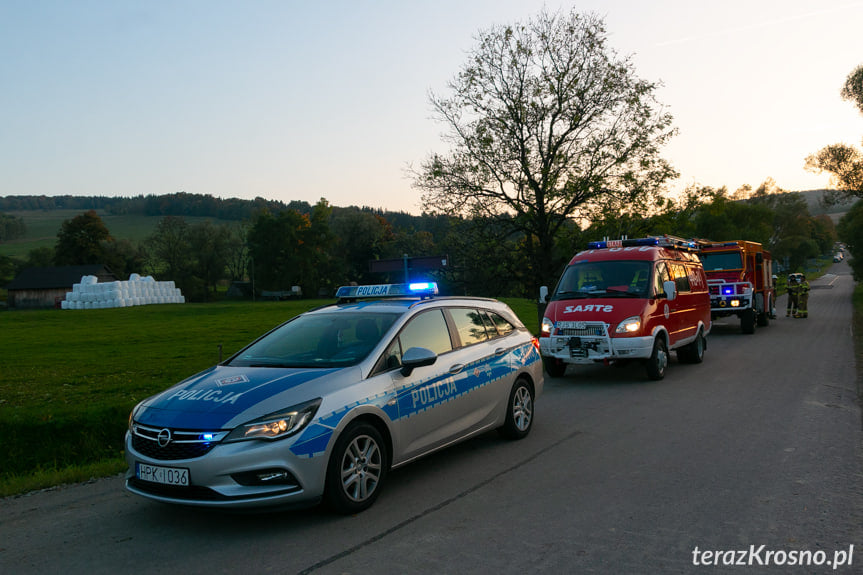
[(740, 278), (624, 300)]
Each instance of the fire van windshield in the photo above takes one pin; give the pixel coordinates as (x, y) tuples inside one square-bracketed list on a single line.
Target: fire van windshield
[(605, 280)]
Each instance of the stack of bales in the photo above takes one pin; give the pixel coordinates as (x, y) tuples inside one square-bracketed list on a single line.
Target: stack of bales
[(90, 294)]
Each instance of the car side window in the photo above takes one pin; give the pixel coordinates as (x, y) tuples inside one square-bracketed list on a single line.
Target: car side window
[(681, 278), (469, 324), (503, 326), (660, 276), (428, 330)]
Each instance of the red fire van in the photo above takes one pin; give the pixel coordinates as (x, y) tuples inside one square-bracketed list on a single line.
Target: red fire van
[(622, 300)]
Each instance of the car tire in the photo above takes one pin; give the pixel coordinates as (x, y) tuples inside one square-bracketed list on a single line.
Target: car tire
[(658, 360), (694, 352), (764, 317), (747, 321), (554, 367), (519, 411), (357, 469)]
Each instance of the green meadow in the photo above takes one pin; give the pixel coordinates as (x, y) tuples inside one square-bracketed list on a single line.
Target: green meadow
[(42, 227), (71, 377)]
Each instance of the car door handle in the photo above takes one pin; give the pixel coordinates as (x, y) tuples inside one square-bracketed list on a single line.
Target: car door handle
[(456, 368), (500, 351)]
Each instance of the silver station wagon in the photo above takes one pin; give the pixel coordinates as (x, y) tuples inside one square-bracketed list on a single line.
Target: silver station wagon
[(324, 405)]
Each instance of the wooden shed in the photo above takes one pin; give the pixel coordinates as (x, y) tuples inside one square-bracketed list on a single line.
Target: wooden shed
[(47, 287)]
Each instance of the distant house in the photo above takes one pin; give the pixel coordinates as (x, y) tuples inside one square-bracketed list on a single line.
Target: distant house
[(47, 287)]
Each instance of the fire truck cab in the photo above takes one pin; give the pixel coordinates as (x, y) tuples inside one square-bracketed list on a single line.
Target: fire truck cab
[(633, 299), (740, 276)]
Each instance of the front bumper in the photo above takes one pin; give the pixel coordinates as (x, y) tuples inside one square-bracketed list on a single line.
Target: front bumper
[(225, 477), (730, 305), (590, 349)]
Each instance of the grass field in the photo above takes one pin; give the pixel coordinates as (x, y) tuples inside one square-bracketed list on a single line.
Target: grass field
[(71, 377), (42, 227)]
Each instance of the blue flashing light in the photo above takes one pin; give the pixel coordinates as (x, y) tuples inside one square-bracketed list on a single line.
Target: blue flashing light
[(423, 287), (728, 290), (208, 436)]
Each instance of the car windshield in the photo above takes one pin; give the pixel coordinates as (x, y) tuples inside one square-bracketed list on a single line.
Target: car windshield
[(716, 261), (604, 279), (318, 340)]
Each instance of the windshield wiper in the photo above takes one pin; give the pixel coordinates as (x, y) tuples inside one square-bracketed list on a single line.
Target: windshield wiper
[(570, 295)]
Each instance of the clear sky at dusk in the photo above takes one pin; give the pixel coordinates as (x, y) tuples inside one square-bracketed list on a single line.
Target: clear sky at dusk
[(294, 100)]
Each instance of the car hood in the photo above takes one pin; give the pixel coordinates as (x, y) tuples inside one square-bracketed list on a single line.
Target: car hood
[(214, 398)]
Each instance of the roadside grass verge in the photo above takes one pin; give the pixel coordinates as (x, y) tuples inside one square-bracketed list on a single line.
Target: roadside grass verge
[(70, 378), (857, 328)]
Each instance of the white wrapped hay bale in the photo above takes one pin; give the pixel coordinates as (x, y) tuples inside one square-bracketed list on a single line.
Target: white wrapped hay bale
[(137, 290)]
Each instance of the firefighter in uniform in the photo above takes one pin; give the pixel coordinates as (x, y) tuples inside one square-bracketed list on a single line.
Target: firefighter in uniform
[(802, 298), (793, 290)]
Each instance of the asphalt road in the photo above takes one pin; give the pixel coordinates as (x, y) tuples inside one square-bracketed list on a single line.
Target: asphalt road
[(760, 445)]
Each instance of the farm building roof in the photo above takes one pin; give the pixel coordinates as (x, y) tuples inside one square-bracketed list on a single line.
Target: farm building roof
[(59, 277)]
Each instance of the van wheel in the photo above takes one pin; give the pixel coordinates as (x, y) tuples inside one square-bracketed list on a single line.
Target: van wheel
[(747, 321), (554, 367), (694, 352), (658, 359), (764, 317)]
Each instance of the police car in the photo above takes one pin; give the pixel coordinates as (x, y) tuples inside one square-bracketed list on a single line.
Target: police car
[(324, 405)]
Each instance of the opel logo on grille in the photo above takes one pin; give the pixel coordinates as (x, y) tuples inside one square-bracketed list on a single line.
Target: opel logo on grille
[(164, 437)]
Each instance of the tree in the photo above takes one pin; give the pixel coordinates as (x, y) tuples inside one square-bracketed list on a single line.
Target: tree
[(545, 120), (277, 249), (850, 230), (843, 162), (362, 236), (80, 240), (169, 246), (208, 245), (123, 257)]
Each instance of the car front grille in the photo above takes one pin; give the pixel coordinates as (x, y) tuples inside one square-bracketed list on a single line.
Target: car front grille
[(166, 444), (581, 328)]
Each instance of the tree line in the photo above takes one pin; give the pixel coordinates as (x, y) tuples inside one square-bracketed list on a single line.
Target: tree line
[(325, 246)]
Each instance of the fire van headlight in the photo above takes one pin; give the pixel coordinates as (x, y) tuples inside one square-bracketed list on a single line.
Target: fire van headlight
[(546, 328), (629, 325), (277, 425)]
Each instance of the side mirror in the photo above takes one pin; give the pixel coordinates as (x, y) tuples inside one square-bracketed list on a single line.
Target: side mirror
[(670, 290), (416, 357), (543, 294)]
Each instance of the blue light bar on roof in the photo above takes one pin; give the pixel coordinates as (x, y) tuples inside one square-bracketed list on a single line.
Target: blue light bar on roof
[(664, 241), (422, 289)]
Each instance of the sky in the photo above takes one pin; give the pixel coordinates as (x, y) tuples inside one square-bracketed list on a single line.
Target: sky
[(302, 100)]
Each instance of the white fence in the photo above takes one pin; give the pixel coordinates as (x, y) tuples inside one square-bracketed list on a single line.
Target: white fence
[(90, 294)]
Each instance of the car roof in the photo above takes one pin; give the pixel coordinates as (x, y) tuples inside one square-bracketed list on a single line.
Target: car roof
[(634, 253), (401, 305)]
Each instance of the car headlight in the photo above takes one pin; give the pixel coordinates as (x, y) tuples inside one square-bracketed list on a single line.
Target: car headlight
[(277, 425), (629, 325), (546, 328), (133, 413)]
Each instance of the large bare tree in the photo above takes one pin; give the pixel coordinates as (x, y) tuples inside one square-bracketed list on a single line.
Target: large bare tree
[(844, 163), (545, 121)]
